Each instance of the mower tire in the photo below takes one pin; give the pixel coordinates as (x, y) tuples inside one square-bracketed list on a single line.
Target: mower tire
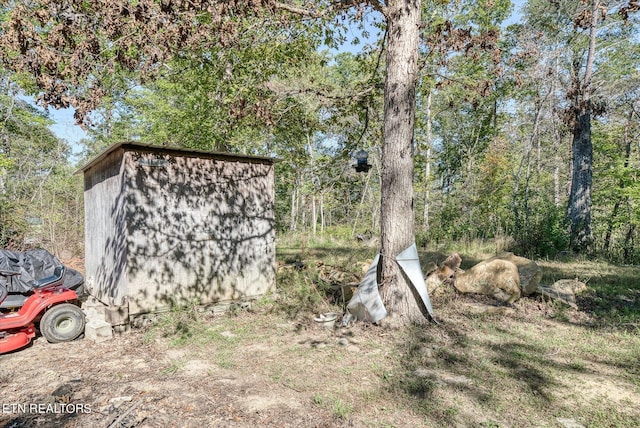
[(62, 323)]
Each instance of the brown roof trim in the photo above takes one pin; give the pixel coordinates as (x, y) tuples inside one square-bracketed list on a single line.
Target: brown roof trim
[(131, 145)]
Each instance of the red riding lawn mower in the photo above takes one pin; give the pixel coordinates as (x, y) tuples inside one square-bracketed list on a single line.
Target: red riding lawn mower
[(47, 302)]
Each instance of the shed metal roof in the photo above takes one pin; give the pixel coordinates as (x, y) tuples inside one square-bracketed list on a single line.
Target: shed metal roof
[(131, 145)]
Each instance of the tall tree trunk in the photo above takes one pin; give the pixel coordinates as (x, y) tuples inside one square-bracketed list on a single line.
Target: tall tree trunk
[(314, 215), (293, 226), (303, 209), (579, 206), (558, 137), (525, 160), (427, 166), (556, 167), (397, 222), (322, 213)]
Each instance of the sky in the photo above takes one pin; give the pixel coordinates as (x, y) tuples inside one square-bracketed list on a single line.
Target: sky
[(66, 129), (65, 125)]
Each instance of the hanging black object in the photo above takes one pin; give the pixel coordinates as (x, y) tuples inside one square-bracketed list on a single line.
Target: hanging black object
[(362, 163)]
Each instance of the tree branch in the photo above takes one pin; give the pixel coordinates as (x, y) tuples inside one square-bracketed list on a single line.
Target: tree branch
[(299, 10), (336, 6), (377, 5)]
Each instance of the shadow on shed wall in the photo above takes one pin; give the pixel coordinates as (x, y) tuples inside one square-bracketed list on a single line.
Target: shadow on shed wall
[(195, 230)]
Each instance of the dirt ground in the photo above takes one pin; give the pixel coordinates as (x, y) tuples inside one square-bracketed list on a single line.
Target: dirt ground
[(129, 382)]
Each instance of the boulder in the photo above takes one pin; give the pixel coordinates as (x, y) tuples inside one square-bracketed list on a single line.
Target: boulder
[(564, 291), (530, 273), (493, 277)]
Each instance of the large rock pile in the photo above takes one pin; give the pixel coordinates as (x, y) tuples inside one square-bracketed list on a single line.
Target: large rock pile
[(506, 277)]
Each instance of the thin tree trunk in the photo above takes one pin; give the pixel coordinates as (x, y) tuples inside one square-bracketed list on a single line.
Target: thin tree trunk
[(321, 213), (314, 215), (556, 143), (361, 206), (294, 207), (397, 223), (427, 167), (525, 159), (556, 169), (303, 214), (629, 243)]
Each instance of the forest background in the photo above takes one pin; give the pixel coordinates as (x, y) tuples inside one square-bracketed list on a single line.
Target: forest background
[(497, 114)]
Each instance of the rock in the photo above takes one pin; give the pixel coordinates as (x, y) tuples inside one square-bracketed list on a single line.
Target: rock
[(530, 273), (426, 351), (574, 285), (432, 282), (442, 274), (97, 330), (494, 277), (460, 380), (564, 291), (63, 393), (118, 401), (480, 309), (93, 308), (569, 423)]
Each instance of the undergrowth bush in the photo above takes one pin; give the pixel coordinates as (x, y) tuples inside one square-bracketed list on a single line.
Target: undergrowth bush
[(546, 235), (298, 292)]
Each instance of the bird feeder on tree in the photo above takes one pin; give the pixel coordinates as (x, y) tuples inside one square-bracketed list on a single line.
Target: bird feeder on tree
[(362, 164)]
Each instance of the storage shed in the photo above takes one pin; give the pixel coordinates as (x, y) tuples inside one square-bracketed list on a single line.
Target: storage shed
[(166, 226)]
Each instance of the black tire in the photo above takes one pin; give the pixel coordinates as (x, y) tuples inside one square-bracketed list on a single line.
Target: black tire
[(62, 323)]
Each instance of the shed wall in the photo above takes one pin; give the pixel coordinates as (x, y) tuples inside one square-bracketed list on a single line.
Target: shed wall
[(105, 243), (199, 230)]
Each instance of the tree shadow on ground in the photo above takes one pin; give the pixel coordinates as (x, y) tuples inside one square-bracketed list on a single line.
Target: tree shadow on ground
[(612, 298), (455, 375)]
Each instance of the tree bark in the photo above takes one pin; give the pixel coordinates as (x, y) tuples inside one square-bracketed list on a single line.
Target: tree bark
[(579, 206), (397, 217), (579, 209)]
